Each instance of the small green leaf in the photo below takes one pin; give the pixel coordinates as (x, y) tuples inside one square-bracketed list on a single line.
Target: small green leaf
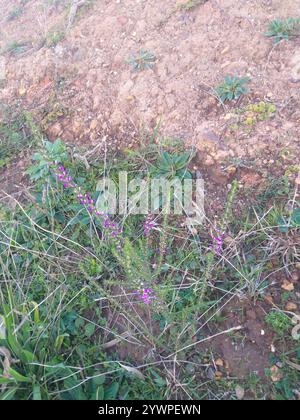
[(17, 376), (283, 227), (89, 330), (296, 217), (27, 357)]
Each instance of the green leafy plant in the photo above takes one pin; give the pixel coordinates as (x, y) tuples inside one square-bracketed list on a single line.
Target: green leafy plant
[(53, 38), (16, 48), (172, 165), (232, 88), (283, 221), (284, 29), (256, 112), (54, 152), (144, 60), (296, 217), (32, 356), (278, 321)]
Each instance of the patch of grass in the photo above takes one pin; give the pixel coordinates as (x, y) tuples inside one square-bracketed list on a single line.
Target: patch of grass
[(144, 60), (279, 322), (54, 37), (232, 88), (284, 29)]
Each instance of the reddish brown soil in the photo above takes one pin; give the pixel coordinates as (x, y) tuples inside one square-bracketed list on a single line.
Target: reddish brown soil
[(246, 351), (194, 50)]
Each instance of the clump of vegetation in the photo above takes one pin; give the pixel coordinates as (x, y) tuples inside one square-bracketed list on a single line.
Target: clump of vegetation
[(17, 133), (172, 165), (279, 322), (253, 113), (232, 88), (287, 222), (16, 48), (54, 37), (144, 60), (52, 112), (284, 29)]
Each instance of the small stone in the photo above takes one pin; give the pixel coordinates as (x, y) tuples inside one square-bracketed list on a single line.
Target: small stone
[(93, 124), (226, 64), (22, 91), (218, 375), (226, 49), (219, 362), (290, 306), (276, 374), (231, 170), (286, 285)]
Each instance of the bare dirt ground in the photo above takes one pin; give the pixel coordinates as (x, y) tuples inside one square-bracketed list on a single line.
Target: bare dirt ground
[(194, 50)]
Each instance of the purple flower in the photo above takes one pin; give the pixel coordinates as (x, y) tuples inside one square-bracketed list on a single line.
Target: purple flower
[(149, 225), (112, 230), (145, 295), (217, 244)]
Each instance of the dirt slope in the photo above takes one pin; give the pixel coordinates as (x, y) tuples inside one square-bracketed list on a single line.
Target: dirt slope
[(82, 88)]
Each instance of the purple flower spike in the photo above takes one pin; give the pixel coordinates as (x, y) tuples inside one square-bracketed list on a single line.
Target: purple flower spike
[(67, 181), (149, 225), (145, 295), (217, 244)]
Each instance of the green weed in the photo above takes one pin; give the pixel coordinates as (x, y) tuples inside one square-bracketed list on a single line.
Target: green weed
[(232, 88), (279, 322), (54, 37), (144, 60), (284, 29)]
